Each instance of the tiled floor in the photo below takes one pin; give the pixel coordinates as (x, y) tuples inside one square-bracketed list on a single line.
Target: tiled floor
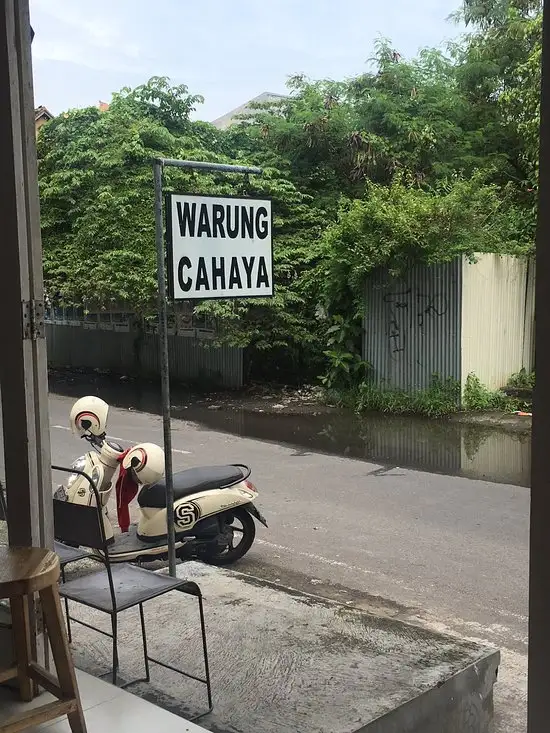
[(107, 708)]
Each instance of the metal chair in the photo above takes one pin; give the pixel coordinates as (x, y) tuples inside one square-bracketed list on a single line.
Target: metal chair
[(68, 555), (3, 504), (119, 586)]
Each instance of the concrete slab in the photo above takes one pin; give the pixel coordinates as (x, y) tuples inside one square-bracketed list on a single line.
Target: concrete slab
[(285, 661)]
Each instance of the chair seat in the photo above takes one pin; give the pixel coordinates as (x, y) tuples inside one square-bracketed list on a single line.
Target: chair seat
[(26, 570), (132, 585), (69, 554)]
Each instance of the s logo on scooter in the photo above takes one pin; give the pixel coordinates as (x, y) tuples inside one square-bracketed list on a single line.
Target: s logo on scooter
[(186, 515)]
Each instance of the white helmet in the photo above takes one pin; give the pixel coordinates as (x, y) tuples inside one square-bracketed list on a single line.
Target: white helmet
[(147, 462), (89, 416)]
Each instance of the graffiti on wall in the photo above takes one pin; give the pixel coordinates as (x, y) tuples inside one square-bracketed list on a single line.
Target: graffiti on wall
[(409, 313)]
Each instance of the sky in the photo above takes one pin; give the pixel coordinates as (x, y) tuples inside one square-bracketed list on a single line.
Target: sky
[(228, 51)]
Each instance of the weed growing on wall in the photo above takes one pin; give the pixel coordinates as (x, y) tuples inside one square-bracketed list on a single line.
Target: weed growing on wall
[(477, 398), (441, 398), (522, 380)]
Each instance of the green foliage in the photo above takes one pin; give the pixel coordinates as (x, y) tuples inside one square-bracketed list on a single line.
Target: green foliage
[(522, 380), (97, 195), (499, 70), (345, 366), (411, 117), (395, 225), (477, 398), (415, 160), (288, 319), (495, 13), (98, 224), (440, 399)]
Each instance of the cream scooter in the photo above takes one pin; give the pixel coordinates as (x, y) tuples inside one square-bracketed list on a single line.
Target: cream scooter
[(213, 505)]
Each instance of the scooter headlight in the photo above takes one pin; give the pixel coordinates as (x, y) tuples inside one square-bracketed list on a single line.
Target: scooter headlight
[(78, 465)]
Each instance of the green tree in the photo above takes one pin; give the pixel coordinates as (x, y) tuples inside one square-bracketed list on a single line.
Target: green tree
[(97, 197), (395, 226), (97, 194), (412, 118), (414, 160), (499, 69)]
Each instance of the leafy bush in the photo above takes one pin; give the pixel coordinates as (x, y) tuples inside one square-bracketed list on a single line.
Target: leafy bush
[(441, 398), (394, 226), (345, 368), (522, 380), (477, 398)]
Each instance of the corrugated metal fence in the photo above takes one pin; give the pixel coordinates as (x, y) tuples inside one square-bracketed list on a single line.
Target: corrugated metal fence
[(129, 352), (412, 325), (497, 313)]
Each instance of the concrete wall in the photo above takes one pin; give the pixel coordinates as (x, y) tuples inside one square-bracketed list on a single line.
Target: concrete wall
[(497, 318)]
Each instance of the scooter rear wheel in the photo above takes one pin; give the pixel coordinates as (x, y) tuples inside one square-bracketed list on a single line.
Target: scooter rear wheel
[(247, 534)]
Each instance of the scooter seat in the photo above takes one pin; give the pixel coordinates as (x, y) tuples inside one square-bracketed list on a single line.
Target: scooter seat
[(189, 482)]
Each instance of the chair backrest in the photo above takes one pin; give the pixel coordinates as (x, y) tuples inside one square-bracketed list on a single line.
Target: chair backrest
[(81, 525), (78, 524), (3, 504)]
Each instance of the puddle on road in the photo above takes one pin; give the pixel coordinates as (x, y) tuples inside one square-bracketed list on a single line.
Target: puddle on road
[(448, 448), (436, 446)]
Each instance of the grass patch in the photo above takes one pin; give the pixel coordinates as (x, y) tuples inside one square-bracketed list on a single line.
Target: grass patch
[(477, 398), (440, 399)]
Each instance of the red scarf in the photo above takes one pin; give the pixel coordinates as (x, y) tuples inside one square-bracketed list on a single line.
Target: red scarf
[(126, 489)]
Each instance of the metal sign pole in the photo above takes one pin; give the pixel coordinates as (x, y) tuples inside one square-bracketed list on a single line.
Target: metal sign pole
[(158, 166), (164, 369)]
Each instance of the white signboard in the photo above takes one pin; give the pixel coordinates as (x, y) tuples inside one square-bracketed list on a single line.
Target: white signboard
[(219, 247)]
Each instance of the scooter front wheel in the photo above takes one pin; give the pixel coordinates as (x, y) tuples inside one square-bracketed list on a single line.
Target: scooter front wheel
[(236, 540)]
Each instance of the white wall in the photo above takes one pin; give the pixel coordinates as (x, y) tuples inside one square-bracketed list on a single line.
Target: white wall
[(494, 318)]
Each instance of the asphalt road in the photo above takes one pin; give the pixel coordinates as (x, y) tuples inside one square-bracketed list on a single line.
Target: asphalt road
[(445, 552)]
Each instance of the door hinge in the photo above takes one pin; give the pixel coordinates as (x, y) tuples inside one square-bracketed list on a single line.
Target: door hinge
[(33, 319)]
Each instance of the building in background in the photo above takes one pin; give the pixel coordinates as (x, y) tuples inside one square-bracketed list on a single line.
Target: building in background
[(234, 117), (41, 116)]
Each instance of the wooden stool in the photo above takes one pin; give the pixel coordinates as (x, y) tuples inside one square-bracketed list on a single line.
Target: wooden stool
[(23, 572)]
